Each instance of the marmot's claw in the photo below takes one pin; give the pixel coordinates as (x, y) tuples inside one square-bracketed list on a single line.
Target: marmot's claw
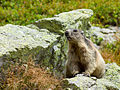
[(79, 75), (86, 74), (76, 75)]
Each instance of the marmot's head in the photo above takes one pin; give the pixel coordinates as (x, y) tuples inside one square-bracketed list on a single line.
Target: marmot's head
[(74, 35)]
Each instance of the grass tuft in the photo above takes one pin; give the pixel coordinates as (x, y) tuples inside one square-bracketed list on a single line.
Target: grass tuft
[(28, 76)]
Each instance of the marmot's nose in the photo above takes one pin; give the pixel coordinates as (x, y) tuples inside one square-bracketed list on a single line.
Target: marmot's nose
[(66, 33)]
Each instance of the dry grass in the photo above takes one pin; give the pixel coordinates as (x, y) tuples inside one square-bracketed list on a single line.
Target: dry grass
[(28, 77), (111, 56), (111, 53), (108, 56)]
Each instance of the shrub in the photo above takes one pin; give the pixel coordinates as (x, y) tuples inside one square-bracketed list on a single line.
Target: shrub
[(24, 12)]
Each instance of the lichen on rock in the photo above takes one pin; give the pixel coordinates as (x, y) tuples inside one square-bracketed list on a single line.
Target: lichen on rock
[(17, 39), (78, 19), (110, 81), (102, 36)]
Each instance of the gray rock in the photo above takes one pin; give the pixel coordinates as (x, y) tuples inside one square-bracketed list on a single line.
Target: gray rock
[(20, 41), (114, 28), (77, 19), (102, 36), (15, 36), (111, 80)]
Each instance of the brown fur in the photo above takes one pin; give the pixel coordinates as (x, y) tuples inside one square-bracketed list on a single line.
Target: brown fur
[(83, 57)]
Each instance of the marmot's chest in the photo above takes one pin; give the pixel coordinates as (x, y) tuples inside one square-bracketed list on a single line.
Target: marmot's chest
[(83, 57)]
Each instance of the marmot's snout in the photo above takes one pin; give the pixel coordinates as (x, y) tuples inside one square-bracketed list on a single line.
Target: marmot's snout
[(67, 34)]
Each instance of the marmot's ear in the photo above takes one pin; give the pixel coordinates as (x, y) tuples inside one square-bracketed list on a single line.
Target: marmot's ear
[(82, 32)]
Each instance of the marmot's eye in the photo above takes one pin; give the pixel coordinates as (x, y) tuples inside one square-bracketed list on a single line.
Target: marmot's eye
[(75, 30)]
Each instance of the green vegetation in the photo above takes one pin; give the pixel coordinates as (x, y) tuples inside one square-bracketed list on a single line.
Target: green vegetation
[(23, 12)]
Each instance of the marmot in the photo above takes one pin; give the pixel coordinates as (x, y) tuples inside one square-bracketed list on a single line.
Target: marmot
[(83, 57)]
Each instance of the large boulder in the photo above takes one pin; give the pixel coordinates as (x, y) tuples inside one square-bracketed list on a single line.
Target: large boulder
[(103, 36), (18, 42), (78, 19), (111, 80)]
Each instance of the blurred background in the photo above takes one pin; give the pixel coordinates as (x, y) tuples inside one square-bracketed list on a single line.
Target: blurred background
[(23, 12)]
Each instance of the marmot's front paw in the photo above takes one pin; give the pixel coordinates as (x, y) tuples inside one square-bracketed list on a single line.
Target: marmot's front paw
[(86, 74), (75, 73)]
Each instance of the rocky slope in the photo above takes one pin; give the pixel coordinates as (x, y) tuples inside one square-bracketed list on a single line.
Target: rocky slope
[(110, 81), (45, 41)]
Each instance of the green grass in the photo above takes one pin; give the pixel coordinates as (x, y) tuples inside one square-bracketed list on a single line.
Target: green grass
[(23, 12)]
